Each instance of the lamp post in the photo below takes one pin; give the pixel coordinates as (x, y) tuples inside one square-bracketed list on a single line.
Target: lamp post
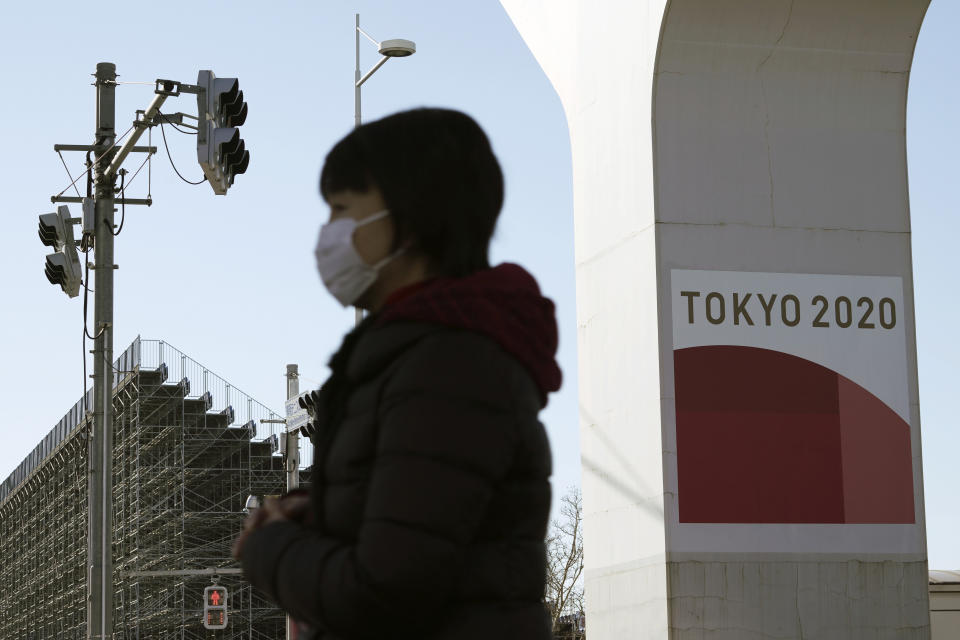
[(395, 48)]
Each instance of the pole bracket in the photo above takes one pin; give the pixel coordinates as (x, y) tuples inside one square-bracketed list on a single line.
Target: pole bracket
[(167, 87), (190, 88), (91, 147), (76, 200)]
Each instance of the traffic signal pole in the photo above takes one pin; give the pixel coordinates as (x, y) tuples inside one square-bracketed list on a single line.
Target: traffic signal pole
[(292, 458), (100, 453), (226, 157), (100, 512), (293, 437)]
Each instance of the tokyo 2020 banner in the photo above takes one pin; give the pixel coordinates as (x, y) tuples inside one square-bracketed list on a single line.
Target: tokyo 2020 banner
[(791, 399)]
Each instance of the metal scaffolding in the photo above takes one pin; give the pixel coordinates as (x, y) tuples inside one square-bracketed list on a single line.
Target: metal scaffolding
[(188, 449)]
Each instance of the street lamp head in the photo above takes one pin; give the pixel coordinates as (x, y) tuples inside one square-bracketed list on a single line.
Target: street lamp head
[(397, 48)]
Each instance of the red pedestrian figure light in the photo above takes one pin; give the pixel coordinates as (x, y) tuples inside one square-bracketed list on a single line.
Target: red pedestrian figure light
[(215, 607)]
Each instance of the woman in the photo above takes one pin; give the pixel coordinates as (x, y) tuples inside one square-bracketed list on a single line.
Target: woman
[(430, 499)]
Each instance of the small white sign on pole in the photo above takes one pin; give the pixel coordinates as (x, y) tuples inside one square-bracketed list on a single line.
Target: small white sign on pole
[(296, 415)]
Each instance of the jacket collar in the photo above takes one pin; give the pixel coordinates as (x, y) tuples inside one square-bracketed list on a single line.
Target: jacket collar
[(380, 345)]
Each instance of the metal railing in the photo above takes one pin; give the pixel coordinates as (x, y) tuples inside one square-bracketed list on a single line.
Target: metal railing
[(154, 353), (151, 354), (124, 364)]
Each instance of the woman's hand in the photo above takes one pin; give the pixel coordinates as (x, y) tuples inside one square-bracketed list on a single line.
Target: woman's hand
[(296, 505), (292, 508)]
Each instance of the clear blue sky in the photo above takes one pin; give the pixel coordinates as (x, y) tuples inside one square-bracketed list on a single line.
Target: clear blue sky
[(231, 280)]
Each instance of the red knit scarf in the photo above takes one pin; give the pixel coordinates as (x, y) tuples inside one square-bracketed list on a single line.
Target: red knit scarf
[(503, 303)]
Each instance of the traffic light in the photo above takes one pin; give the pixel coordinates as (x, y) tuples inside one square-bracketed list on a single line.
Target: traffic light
[(63, 266), (215, 608), (220, 149)]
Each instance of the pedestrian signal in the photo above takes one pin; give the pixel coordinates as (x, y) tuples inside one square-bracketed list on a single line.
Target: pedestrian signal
[(215, 608)]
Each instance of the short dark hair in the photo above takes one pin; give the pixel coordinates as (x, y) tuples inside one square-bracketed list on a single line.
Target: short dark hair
[(438, 176)]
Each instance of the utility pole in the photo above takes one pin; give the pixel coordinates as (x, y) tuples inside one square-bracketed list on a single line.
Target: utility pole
[(292, 449), (100, 529), (100, 452), (293, 437), (229, 158)]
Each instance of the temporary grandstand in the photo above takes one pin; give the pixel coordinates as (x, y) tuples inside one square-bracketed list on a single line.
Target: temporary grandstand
[(188, 449)]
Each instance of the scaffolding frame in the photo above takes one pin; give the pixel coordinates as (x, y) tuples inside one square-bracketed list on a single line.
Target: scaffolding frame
[(188, 449)]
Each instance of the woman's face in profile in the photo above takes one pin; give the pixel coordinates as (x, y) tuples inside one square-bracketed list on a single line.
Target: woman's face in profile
[(372, 241)]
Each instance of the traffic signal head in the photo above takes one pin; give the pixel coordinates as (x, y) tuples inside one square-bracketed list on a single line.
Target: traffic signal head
[(215, 607), (231, 152), (63, 266), (220, 150), (230, 101), (50, 229)]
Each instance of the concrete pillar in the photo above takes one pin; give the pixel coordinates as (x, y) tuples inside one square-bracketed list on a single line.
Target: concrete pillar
[(750, 428)]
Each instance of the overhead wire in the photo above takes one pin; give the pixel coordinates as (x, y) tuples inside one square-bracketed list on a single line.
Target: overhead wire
[(184, 131), (69, 175), (86, 290), (114, 367), (123, 202), (310, 380), (123, 185), (102, 155), (83, 395), (85, 247), (138, 171), (170, 157), (86, 332), (90, 164), (89, 175), (86, 267)]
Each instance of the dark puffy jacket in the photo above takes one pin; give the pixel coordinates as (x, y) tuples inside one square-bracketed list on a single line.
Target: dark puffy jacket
[(431, 494)]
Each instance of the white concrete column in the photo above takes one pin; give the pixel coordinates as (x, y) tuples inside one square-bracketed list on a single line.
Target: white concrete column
[(751, 463)]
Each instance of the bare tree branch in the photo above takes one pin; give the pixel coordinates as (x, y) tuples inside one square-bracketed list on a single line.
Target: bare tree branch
[(564, 586)]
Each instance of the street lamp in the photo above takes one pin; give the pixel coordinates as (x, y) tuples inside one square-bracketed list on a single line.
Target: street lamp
[(396, 48)]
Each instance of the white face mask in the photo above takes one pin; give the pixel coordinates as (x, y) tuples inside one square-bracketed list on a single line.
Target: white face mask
[(344, 273)]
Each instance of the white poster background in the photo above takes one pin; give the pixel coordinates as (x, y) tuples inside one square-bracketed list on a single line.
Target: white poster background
[(874, 358)]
